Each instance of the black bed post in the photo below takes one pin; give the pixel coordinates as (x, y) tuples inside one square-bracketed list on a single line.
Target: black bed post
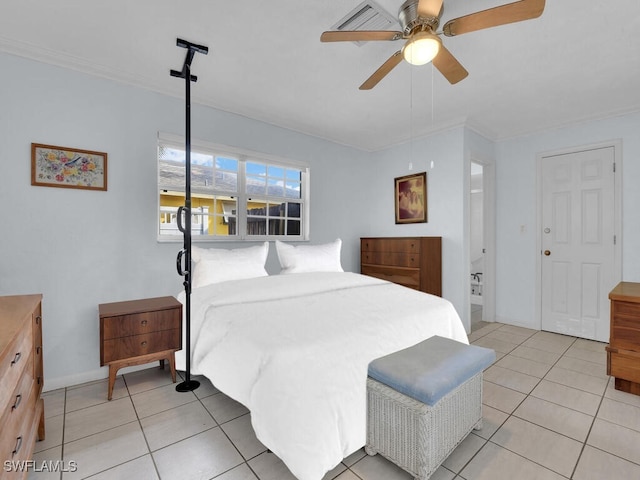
[(188, 384)]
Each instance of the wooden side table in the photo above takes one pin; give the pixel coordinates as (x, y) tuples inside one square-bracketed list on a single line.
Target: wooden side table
[(139, 331), (623, 352)]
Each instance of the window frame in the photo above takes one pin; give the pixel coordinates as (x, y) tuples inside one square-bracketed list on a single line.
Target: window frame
[(243, 156)]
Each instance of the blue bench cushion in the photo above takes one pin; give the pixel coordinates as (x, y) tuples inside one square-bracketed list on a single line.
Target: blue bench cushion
[(430, 369)]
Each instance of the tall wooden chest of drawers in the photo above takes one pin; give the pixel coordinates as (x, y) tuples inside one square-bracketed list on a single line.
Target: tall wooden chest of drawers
[(623, 352), (415, 262), (139, 331), (21, 380)]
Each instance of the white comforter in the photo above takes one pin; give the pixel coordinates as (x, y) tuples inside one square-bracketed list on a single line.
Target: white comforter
[(294, 349)]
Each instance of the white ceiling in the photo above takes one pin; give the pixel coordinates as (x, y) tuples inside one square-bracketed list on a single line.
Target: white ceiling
[(580, 60)]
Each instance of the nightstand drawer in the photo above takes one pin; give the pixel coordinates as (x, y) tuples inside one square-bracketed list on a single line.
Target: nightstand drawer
[(626, 308), (140, 323), (624, 364), (138, 345), (625, 333)]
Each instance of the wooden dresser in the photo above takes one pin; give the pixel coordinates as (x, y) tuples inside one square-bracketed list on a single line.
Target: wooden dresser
[(623, 352), (139, 331), (415, 262), (21, 380)]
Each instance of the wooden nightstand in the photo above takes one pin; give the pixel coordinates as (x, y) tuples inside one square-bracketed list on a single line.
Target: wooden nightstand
[(139, 331), (623, 352)]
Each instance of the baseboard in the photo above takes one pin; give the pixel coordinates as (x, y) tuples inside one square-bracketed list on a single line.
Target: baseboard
[(515, 323), (76, 379)]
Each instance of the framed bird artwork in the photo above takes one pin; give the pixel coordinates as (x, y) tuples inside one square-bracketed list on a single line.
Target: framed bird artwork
[(65, 167)]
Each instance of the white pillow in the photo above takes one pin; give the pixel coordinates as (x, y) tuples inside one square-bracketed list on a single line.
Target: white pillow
[(309, 258), (215, 265)]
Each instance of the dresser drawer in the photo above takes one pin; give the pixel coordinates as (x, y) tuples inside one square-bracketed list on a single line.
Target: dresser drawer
[(625, 333), (391, 259), (21, 409), (138, 345), (408, 277), (18, 447), (398, 245), (623, 364), (140, 323), (17, 401), (14, 363), (38, 355), (17, 420)]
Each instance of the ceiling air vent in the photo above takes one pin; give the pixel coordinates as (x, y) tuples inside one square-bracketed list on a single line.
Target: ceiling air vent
[(367, 16)]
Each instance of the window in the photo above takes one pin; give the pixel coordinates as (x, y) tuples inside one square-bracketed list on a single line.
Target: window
[(235, 195)]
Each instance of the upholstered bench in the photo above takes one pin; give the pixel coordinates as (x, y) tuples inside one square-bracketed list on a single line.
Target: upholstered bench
[(423, 401)]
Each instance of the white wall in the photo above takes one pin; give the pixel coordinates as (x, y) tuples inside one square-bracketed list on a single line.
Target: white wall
[(81, 248), (516, 208), (445, 203)]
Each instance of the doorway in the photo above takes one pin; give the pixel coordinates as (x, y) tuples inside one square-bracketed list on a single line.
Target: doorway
[(476, 216), (579, 211), (481, 260)]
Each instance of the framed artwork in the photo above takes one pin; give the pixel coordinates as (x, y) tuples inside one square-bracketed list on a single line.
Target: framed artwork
[(411, 198), (64, 167)]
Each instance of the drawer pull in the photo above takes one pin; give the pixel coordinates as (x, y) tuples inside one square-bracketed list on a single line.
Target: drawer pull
[(18, 446), (144, 343), (17, 402), (143, 323), (38, 350), (38, 320), (16, 359)]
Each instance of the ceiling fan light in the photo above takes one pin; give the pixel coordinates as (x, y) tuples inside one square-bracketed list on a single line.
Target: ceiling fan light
[(421, 48)]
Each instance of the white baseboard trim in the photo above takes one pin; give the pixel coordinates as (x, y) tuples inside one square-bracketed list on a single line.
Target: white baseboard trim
[(515, 323), (77, 379)]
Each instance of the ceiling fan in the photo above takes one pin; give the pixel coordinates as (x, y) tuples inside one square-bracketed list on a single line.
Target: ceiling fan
[(419, 20)]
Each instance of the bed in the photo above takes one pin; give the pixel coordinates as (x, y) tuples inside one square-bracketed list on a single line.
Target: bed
[(294, 349)]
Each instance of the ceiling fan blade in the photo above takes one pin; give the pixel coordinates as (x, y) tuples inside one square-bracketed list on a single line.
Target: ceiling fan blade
[(359, 36), (382, 72), (429, 8), (493, 17), (449, 66)]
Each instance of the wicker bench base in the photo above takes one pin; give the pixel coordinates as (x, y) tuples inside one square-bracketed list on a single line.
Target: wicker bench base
[(418, 437)]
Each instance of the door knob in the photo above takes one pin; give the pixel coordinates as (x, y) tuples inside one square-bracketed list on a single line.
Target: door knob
[(547, 252)]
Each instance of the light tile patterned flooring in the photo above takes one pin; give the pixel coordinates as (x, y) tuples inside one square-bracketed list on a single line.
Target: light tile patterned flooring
[(550, 412)]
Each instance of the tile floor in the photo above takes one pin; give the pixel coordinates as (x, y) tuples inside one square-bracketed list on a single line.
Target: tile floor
[(550, 412)]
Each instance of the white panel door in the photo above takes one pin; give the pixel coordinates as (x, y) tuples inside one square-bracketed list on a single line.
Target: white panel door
[(578, 250)]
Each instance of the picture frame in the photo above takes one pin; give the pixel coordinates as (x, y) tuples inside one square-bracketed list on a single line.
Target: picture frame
[(64, 167), (411, 198)]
